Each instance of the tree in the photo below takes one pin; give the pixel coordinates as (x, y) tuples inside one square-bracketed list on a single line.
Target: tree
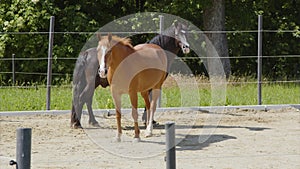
[(214, 20)]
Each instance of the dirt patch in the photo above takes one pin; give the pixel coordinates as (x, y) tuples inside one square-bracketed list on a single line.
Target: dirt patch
[(236, 138)]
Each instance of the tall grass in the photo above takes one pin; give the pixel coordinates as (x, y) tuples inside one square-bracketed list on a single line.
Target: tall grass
[(246, 94), (237, 93)]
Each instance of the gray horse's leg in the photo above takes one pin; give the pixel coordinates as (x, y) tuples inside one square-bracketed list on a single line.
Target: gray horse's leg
[(87, 97), (75, 123), (76, 116), (92, 120), (144, 116)]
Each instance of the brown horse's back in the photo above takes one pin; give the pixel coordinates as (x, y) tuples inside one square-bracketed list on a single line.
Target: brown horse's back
[(159, 70), (142, 70), (146, 45)]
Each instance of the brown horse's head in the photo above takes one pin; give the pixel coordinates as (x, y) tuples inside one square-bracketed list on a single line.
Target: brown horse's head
[(105, 47), (103, 51)]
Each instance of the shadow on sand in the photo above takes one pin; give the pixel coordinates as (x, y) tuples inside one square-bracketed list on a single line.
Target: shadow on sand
[(198, 142), (201, 126)]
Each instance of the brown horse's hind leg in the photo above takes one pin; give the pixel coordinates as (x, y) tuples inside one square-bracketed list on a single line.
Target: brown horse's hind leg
[(133, 99)]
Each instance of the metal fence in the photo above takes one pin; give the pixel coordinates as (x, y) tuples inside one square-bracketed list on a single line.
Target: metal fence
[(52, 33)]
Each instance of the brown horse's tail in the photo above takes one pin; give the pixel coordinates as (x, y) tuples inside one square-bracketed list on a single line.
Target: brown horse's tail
[(79, 83)]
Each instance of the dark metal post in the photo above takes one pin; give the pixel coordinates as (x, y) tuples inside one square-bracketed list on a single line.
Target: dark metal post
[(13, 69), (23, 148), (259, 58), (161, 29), (161, 23), (49, 70), (170, 145)]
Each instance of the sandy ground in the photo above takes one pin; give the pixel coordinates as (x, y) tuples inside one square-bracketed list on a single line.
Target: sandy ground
[(229, 139)]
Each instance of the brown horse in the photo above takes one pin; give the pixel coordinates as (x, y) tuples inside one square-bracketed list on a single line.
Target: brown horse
[(130, 71)]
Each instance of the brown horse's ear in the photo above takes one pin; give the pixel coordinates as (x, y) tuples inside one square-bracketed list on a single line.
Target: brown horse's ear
[(99, 36), (109, 37)]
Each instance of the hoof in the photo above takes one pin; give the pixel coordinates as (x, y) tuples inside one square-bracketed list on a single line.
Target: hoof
[(76, 126), (136, 140), (148, 134), (155, 123), (94, 124), (106, 114)]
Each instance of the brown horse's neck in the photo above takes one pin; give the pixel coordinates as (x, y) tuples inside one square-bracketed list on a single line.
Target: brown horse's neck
[(119, 53)]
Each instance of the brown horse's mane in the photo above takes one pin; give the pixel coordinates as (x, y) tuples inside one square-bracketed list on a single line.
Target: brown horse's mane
[(123, 41)]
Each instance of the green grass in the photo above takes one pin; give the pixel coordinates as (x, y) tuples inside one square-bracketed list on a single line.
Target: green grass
[(12, 99), (271, 94), (20, 99)]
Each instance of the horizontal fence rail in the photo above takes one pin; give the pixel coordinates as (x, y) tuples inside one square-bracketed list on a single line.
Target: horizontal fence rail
[(152, 32), (199, 83), (75, 58), (14, 59), (229, 57)]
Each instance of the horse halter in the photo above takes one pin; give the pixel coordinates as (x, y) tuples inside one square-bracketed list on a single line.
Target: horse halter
[(184, 45)]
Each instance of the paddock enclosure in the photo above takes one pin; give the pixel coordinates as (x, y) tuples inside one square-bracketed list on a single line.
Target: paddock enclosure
[(215, 138)]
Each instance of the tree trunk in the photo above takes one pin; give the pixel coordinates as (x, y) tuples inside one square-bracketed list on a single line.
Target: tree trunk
[(214, 20)]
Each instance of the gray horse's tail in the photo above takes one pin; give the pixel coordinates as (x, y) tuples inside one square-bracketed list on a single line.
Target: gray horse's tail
[(80, 65), (78, 86)]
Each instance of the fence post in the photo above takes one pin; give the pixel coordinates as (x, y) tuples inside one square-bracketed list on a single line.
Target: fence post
[(13, 69), (161, 29), (23, 151), (161, 24), (259, 58), (49, 70), (170, 145)]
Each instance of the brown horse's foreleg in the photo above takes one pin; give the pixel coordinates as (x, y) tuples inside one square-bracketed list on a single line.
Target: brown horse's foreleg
[(136, 132), (134, 113), (119, 129), (117, 101)]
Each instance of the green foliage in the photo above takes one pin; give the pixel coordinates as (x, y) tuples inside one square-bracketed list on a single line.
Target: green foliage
[(21, 20), (18, 17), (277, 15)]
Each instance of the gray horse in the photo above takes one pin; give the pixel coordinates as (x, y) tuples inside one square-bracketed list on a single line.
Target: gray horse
[(85, 81)]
